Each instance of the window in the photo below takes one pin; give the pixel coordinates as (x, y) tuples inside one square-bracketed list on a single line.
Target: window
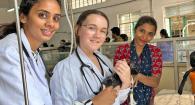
[(83, 3), (177, 17), (127, 23)]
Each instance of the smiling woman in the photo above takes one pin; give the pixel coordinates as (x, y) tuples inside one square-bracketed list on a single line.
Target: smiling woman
[(79, 78), (39, 20), (146, 57)]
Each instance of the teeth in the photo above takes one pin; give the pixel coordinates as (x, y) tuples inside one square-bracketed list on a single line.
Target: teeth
[(46, 31)]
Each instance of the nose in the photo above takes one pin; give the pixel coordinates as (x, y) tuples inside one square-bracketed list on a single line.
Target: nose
[(50, 23), (97, 33)]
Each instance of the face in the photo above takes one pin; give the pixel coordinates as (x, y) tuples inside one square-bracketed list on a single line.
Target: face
[(42, 21), (144, 34), (92, 33)]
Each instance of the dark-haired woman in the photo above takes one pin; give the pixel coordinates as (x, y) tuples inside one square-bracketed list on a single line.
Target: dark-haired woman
[(146, 58), (39, 21)]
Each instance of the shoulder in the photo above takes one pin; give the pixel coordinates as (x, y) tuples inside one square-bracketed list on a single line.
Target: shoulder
[(154, 49), (123, 48), (126, 45), (9, 47), (9, 43), (66, 65)]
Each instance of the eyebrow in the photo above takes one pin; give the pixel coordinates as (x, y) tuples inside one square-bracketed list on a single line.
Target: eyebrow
[(96, 26), (146, 30), (42, 10)]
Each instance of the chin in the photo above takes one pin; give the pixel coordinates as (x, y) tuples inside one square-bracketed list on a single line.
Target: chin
[(45, 39)]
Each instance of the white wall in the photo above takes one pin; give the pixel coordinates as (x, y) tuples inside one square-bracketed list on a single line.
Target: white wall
[(114, 7), (111, 8), (6, 17)]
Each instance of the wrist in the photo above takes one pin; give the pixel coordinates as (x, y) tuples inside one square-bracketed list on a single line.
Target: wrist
[(126, 85)]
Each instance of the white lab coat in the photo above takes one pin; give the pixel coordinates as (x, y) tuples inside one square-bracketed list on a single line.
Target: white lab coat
[(11, 87), (68, 84)]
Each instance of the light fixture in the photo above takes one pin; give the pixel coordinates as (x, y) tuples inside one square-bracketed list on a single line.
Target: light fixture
[(10, 10)]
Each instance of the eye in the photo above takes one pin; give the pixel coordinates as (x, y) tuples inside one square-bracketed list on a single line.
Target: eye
[(92, 28), (151, 33), (104, 32), (43, 15), (142, 30), (57, 18)]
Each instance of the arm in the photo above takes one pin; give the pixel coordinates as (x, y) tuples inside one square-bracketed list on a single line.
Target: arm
[(106, 97), (11, 84), (121, 60), (10, 78), (62, 85), (154, 80)]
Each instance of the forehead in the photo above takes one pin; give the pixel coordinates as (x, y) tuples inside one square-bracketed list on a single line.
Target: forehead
[(48, 5), (148, 27), (96, 20)]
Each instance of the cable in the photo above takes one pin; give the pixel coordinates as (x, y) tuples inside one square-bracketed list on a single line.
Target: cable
[(70, 24)]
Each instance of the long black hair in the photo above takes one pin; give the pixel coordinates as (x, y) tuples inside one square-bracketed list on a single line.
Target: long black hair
[(25, 7)]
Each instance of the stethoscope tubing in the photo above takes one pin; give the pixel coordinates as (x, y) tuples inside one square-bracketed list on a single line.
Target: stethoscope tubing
[(91, 69)]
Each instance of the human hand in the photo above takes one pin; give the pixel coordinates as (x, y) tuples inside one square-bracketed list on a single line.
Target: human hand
[(105, 97), (124, 72)]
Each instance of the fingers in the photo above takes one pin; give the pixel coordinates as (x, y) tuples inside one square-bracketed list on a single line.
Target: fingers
[(123, 70), (122, 67), (122, 64)]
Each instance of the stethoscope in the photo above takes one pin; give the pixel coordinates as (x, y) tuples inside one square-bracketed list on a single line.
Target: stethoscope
[(31, 61), (83, 65)]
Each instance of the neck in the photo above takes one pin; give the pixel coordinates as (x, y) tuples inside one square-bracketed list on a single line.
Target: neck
[(33, 44), (139, 48), (87, 52)]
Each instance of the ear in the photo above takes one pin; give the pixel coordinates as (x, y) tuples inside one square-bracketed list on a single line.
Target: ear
[(23, 18), (76, 30)]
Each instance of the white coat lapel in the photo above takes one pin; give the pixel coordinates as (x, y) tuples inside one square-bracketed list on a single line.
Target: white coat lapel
[(37, 72)]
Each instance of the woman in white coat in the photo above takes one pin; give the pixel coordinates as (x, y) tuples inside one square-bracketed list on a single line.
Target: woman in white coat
[(39, 20), (79, 77)]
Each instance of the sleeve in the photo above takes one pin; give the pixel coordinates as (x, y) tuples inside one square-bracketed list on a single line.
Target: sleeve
[(11, 90), (62, 85), (122, 52), (122, 96), (157, 62)]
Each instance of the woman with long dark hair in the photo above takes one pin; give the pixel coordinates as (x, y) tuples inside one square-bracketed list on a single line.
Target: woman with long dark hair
[(145, 60), (39, 21)]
